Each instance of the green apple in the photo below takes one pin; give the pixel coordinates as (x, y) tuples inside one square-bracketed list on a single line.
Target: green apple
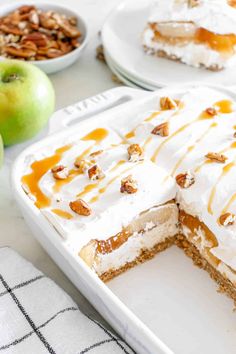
[(27, 100), (1, 151)]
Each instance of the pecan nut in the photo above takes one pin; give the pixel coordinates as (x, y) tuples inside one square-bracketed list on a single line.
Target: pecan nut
[(80, 207), (161, 129), (95, 172), (128, 185), (216, 157), (135, 152), (60, 172), (167, 103), (185, 180), (227, 219)]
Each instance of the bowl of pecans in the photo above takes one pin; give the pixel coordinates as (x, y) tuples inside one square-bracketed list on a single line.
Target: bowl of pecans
[(49, 36)]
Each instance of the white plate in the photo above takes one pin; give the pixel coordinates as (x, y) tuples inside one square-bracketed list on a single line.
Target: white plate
[(165, 300), (122, 77), (57, 64), (121, 35), (125, 79)]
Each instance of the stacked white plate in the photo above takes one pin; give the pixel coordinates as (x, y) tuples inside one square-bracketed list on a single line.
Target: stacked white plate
[(121, 36)]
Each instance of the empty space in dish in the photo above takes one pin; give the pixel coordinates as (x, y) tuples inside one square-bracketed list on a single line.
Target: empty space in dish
[(179, 303)]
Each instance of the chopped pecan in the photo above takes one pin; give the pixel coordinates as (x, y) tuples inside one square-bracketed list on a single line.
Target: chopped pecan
[(216, 157), (20, 52), (82, 165), (60, 172), (185, 180), (25, 9), (211, 111), (161, 129), (11, 29), (135, 152), (80, 207), (54, 53), (227, 219), (39, 39), (47, 21), (95, 172), (128, 185), (70, 31), (167, 103)]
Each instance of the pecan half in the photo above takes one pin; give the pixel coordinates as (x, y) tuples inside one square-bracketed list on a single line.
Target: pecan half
[(161, 129), (128, 185), (21, 52), (95, 172), (39, 39), (82, 165), (185, 180), (211, 111), (60, 172), (80, 207), (135, 152), (216, 157), (227, 219), (167, 103)]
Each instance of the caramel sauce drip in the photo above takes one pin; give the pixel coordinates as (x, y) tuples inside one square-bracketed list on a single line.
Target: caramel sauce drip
[(130, 135), (152, 116), (97, 135), (224, 172), (39, 168), (89, 187), (104, 189), (63, 214), (194, 225), (112, 243), (192, 147), (224, 106), (59, 183)]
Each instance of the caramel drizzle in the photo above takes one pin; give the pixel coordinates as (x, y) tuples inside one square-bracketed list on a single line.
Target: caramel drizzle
[(62, 214), (103, 190), (89, 187), (39, 168), (221, 106), (207, 162), (97, 135), (192, 147), (226, 169), (228, 205)]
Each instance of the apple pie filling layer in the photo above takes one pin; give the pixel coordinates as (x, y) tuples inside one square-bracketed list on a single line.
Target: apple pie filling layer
[(144, 233), (181, 33), (198, 234)]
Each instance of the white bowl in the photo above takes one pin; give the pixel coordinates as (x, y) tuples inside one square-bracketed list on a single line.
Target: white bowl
[(50, 66)]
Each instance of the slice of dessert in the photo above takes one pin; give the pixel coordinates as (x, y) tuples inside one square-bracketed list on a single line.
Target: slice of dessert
[(199, 33)]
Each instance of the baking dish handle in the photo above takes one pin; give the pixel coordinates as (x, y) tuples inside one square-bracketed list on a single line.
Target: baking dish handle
[(84, 109)]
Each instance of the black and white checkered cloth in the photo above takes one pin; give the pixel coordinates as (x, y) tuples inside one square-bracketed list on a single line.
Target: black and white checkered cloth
[(38, 317)]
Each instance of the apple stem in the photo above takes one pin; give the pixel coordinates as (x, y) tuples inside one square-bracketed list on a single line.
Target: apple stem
[(11, 78)]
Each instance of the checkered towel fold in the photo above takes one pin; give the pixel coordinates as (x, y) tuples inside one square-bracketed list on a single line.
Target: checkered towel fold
[(38, 317)]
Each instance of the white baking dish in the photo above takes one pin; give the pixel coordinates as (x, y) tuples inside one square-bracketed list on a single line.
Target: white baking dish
[(162, 304)]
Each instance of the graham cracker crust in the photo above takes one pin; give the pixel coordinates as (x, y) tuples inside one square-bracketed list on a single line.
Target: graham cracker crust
[(144, 256), (163, 54), (225, 285)]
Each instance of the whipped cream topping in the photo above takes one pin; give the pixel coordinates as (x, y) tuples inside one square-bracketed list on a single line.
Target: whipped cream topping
[(192, 135), (215, 15)]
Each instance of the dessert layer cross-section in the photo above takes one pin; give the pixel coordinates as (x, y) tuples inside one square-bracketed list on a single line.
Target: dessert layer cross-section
[(118, 193), (200, 33)]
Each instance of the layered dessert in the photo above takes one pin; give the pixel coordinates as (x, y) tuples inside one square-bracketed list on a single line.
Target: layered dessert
[(119, 194), (199, 33)]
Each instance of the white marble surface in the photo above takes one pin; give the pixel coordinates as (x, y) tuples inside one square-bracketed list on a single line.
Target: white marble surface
[(86, 77)]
